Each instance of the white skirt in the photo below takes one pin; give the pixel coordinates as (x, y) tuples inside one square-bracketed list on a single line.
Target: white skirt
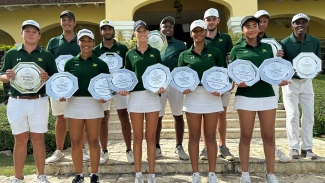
[(200, 101), (144, 102), (255, 104), (83, 108)]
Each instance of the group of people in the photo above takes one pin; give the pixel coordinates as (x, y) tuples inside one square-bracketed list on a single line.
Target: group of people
[(205, 112)]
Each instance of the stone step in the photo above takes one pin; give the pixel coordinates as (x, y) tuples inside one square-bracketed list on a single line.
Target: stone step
[(232, 133), (230, 115), (169, 163), (169, 123)]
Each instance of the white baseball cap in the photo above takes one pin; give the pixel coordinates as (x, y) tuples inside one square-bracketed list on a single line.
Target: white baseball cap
[(106, 22), (30, 22), (85, 32), (300, 15), (211, 12), (260, 13), (197, 23)]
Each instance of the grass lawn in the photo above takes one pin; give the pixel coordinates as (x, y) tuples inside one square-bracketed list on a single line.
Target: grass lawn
[(7, 165)]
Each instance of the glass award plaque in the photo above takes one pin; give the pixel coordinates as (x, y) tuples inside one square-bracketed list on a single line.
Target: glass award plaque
[(155, 77), (61, 60), (62, 84), (99, 88), (157, 40), (216, 79), (113, 60), (184, 78), (243, 70), (122, 79), (307, 64)]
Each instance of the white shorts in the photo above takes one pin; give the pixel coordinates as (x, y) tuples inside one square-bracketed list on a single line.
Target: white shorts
[(107, 105), (144, 102), (58, 107), (120, 102), (200, 101), (28, 115), (226, 99), (276, 92), (175, 99), (84, 108), (255, 104)]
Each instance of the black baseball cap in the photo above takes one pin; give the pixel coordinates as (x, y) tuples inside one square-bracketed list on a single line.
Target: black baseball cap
[(140, 23), (68, 13), (168, 19), (247, 18)]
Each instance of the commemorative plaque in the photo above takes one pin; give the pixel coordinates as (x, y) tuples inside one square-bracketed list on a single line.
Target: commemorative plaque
[(61, 85), (274, 70), (122, 79), (113, 60), (61, 60), (184, 78), (216, 79), (27, 77), (99, 88), (274, 44), (155, 77), (157, 40), (243, 70), (307, 64)]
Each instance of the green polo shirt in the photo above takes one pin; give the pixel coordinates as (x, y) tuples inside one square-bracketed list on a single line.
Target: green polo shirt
[(137, 62), (223, 42), (41, 57), (256, 55), (243, 38), (118, 48), (292, 47), (170, 56), (210, 56), (60, 46), (85, 70)]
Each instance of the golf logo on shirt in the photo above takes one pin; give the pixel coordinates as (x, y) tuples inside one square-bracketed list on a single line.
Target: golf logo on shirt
[(118, 52), (220, 40), (152, 55), (209, 55), (40, 59), (264, 50), (94, 65)]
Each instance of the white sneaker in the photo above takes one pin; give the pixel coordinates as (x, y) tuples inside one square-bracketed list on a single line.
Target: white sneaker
[(138, 180), (151, 179), (16, 180), (130, 156), (42, 179), (56, 157), (196, 178), (271, 178), (158, 152), (212, 178), (204, 154), (85, 155), (281, 156), (245, 179), (181, 153), (103, 157)]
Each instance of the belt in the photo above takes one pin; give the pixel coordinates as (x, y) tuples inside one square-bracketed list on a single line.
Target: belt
[(31, 97)]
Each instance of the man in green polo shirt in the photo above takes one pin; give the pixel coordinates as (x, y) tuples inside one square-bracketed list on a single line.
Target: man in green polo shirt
[(175, 98), (109, 45), (28, 113), (300, 91), (63, 45), (223, 42)]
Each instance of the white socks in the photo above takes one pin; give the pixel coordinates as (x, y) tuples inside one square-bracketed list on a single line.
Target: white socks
[(245, 174), (138, 174)]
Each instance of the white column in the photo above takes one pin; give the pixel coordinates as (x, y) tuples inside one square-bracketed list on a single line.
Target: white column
[(234, 24), (124, 27)]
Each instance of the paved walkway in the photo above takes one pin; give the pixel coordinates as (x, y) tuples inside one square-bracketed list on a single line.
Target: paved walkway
[(223, 178)]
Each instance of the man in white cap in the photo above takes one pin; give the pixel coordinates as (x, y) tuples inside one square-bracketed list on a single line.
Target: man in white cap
[(63, 45), (175, 98), (300, 91), (28, 113), (223, 42), (108, 46)]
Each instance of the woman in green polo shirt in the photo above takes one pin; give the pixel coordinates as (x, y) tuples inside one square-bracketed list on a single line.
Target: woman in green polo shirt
[(82, 109), (259, 98), (200, 103), (142, 103)]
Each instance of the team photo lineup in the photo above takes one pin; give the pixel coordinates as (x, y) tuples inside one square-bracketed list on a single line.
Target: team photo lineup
[(81, 82)]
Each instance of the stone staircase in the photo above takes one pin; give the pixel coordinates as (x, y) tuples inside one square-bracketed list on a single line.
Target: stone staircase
[(169, 163)]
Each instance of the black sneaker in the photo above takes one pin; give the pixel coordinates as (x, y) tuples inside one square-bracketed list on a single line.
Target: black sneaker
[(78, 179), (94, 178), (308, 154)]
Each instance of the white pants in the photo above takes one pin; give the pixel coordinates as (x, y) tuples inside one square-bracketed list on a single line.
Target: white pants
[(299, 92), (175, 99)]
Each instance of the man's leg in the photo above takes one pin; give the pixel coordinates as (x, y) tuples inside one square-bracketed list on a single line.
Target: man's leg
[(20, 152), (103, 132), (290, 99), (163, 101), (38, 151)]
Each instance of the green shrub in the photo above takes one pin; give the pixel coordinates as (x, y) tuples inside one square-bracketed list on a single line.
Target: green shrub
[(318, 85)]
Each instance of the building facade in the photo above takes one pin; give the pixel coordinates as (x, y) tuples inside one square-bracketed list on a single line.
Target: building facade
[(124, 12)]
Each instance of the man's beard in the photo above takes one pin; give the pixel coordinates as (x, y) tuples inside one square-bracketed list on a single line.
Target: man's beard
[(212, 29), (108, 39)]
